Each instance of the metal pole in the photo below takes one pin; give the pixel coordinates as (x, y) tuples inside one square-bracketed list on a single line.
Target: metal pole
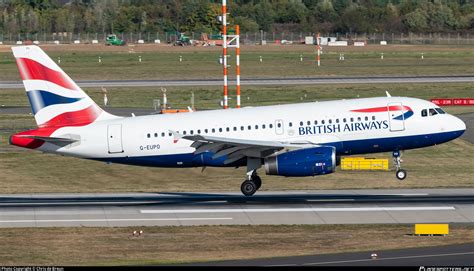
[(224, 51), (237, 63), (319, 50)]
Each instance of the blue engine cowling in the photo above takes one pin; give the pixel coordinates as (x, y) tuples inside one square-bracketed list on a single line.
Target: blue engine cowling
[(304, 162)]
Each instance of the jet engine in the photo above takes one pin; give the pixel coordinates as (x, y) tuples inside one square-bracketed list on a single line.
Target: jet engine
[(302, 162)]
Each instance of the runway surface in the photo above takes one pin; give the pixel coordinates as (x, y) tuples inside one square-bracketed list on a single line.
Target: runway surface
[(309, 207), (469, 120), (452, 255), (266, 81)]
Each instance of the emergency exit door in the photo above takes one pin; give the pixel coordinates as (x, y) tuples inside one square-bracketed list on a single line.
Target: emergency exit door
[(396, 117), (114, 138), (279, 129)]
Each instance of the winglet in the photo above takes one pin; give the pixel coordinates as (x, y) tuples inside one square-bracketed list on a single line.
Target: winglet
[(388, 94), (176, 136)]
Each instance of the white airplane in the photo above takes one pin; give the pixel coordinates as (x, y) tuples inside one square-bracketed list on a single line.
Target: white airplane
[(287, 140)]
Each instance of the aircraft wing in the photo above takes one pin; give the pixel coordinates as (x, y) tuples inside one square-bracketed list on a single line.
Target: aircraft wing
[(236, 149)]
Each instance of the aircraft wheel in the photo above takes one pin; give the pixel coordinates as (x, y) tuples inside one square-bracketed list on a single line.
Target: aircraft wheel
[(248, 188), (401, 174), (257, 181)]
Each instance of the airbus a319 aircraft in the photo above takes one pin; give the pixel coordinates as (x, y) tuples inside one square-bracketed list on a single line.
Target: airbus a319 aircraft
[(303, 139)]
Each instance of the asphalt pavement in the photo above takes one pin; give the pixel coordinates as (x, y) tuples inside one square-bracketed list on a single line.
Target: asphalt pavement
[(266, 81), (376, 206), (461, 255)]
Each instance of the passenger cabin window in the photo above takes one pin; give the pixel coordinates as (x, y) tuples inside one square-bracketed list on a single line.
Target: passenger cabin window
[(271, 125), (156, 134), (249, 127), (163, 134), (235, 128), (256, 127), (315, 122), (227, 129), (373, 117), (148, 135), (290, 124), (213, 130), (263, 125), (220, 130), (424, 113), (366, 118), (301, 123), (205, 131), (322, 122)]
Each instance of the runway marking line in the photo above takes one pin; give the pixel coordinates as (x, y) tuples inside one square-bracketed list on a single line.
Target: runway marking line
[(115, 220), (352, 209), (394, 258)]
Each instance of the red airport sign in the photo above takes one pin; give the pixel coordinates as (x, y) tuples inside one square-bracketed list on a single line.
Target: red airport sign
[(454, 101)]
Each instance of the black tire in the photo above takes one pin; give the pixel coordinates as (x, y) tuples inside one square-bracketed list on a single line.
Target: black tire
[(248, 188), (257, 181), (401, 174)]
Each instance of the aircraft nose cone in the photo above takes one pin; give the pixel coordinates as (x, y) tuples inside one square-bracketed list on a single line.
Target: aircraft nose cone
[(458, 126), (461, 126)]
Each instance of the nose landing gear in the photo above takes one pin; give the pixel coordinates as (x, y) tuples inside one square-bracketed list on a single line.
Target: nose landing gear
[(401, 174)]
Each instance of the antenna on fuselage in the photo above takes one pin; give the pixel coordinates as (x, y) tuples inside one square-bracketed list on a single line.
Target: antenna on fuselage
[(388, 94)]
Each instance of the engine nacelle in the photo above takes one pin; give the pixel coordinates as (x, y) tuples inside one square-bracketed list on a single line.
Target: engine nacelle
[(303, 162)]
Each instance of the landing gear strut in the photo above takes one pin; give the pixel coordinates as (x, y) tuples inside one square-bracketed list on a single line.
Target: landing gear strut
[(253, 181), (401, 174)]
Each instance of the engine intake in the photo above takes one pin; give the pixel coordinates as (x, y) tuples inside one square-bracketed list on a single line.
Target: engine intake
[(303, 162)]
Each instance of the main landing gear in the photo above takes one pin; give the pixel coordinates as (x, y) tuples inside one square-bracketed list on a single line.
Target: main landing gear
[(253, 182), (401, 174), (249, 187)]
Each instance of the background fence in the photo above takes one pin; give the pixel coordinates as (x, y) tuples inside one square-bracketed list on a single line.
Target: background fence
[(249, 37)]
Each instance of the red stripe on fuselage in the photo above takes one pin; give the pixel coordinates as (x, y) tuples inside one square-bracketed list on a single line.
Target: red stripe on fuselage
[(78, 118), (32, 70), (382, 109)]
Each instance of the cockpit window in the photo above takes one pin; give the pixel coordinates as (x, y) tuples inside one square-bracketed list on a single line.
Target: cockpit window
[(424, 113), (439, 110), (433, 112)]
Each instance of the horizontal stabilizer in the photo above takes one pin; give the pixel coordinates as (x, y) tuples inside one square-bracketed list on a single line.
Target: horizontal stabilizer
[(53, 140)]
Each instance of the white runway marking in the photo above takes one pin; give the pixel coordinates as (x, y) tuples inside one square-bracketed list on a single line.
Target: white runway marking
[(400, 194), (394, 258), (314, 200), (115, 220), (354, 209)]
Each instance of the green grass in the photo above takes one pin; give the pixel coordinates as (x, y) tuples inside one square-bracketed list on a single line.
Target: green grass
[(209, 97), (167, 245), (29, 171), (283, 61), (445, 165)]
